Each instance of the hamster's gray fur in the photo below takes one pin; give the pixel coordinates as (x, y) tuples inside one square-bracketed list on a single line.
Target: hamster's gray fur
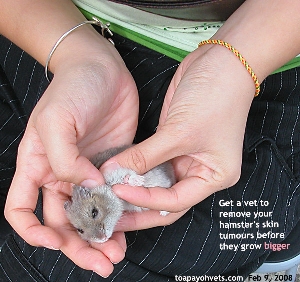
[(95, 212)]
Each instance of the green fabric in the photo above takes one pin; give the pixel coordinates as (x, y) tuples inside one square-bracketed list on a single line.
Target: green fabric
[(290, 65), (170, 51)]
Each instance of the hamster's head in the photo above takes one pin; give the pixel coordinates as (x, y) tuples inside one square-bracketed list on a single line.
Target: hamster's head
[(94, 212)]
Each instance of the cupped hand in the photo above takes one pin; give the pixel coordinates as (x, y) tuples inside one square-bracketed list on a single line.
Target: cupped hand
[(90, 105), (201, 129)]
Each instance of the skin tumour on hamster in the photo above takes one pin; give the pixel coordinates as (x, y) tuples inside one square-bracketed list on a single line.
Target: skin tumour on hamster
[(94, 213)]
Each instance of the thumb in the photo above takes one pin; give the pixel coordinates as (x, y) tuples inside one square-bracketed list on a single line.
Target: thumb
[(144, 156)]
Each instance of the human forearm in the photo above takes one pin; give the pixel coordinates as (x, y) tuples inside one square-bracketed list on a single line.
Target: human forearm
[(36, 25), (265, 32)]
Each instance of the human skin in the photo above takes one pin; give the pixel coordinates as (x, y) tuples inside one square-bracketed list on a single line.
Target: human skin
[(64, 129), (213, 91), (82, 110)]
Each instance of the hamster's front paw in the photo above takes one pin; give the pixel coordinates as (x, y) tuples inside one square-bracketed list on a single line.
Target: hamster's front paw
[(134, 180), (123, 176)]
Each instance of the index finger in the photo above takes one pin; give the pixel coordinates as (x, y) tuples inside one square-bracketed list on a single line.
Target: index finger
[(146, 219), (181, 196)]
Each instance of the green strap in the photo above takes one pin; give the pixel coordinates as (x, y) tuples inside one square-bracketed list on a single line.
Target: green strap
[(168, 50)]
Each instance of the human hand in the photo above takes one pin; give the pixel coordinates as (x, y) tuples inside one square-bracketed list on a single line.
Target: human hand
[(201, 128), (91, 105)]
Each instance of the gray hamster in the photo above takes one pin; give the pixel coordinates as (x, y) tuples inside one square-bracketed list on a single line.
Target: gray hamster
[(95, 212)]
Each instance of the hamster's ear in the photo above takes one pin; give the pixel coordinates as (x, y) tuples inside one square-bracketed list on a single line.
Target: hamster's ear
[(80, 192), (67, 205)]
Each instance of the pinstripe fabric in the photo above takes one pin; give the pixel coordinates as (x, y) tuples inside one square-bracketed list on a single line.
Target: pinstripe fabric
[(191, 246)]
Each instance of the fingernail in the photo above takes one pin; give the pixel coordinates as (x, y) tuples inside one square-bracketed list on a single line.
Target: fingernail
[(90, 183), (52, 248), (101, 274)]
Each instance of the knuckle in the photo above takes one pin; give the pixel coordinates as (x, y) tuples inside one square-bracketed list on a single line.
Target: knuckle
[(138, 160), (235, 178), (229, 177), (63, 172), (6, 214), (234, 175), (43, 116)]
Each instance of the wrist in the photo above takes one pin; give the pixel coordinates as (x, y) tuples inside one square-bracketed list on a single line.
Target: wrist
[(220, 65), (239, 56), (261, 39), (83, 44), (104, 28)]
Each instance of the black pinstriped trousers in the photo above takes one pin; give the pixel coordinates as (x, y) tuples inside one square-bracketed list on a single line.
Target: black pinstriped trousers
[(196, 243)]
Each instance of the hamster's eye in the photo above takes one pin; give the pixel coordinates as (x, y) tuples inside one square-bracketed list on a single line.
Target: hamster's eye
[(80, 230), (94, 212)]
